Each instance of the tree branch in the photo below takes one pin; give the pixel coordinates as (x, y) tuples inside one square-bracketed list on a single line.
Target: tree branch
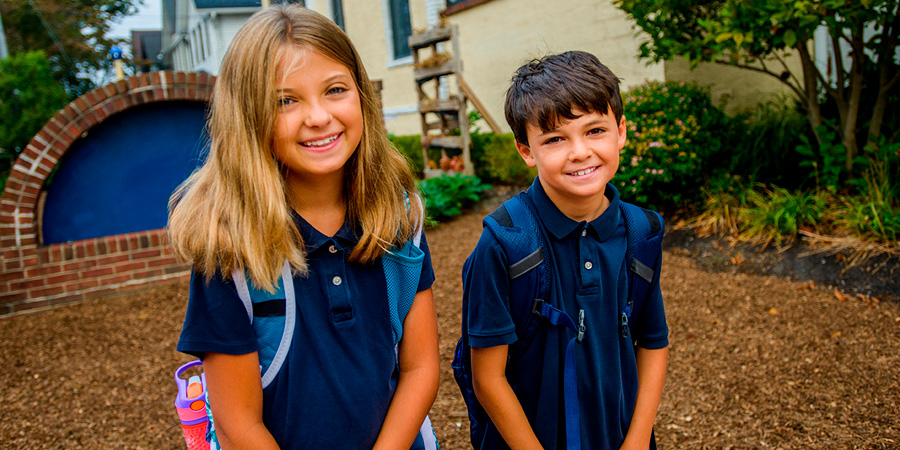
[(797, 91)]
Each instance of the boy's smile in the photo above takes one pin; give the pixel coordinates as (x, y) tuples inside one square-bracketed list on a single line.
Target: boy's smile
[(575, 161)]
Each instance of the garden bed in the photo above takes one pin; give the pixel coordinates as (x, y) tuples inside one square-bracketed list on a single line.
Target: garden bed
[(755, 361)]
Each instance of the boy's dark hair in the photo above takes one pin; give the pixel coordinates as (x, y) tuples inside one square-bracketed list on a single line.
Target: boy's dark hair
[(550, 89)]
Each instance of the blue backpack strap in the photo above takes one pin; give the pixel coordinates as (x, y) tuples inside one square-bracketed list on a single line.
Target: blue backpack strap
[(516, 228), (273, 316), (402, 269), (645, 231)]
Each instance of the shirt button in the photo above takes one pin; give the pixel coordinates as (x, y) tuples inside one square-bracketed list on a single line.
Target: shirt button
[(588, 265), (584, 232), (332, 249), (336, 281)]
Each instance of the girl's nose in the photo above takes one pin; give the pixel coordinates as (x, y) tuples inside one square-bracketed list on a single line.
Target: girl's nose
[(317, 115)]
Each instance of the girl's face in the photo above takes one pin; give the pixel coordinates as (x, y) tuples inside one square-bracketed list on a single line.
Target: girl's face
[(319, 121)]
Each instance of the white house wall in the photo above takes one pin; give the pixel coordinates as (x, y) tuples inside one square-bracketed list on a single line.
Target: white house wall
[(494, 39)]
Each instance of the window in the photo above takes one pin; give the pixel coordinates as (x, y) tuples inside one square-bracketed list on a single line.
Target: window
[(401, 27), (337, 11)]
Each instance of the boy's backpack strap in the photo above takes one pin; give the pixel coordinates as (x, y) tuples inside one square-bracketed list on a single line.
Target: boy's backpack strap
[(516, 227), (273, 316), (645, 231)]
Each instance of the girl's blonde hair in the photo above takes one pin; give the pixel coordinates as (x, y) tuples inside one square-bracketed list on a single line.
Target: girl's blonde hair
[(233, 213)]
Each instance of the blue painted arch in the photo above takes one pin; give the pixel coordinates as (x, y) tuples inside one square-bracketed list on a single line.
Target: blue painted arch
[(118, 177)]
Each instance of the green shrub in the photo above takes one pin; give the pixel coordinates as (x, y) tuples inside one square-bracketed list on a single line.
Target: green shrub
[(676, 138), (768, 154), (411, 147), (448, 195), (496, 160), (776, 214)]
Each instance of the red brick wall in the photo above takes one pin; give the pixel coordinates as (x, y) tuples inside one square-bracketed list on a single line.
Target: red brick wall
[(37, 276)]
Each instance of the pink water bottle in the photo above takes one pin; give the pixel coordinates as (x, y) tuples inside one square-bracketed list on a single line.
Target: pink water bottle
[(191, 406)]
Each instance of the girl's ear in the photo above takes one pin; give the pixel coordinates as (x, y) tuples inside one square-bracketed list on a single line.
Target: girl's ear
[(525, 153)]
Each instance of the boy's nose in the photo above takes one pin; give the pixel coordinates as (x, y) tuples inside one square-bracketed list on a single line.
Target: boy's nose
[(579, 150), (317, 115)]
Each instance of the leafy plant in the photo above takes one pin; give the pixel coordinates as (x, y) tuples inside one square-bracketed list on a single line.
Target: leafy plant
[(29, 97), (496, 159), (674, 133), (448, 195), (828, 162), (411, 147), (776, 214), (757, 35)]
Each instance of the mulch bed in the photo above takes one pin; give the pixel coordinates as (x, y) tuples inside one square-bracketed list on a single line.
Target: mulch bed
[(756, 362)]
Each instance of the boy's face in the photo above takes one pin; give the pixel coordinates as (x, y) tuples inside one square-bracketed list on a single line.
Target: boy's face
[(575, 160)]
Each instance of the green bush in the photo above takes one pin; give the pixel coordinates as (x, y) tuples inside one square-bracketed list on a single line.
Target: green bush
[(776, 214), (768, 154), (448, 195), (676, 139), (496, 160), (411, 147)]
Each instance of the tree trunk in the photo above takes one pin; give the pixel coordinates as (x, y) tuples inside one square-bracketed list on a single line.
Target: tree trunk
[(810, 90)]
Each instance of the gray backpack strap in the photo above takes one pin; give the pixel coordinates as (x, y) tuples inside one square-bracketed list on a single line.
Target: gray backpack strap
[(240, 282), (274, 330)]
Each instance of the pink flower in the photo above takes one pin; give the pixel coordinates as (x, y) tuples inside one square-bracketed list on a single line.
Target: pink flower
[(656, 144)]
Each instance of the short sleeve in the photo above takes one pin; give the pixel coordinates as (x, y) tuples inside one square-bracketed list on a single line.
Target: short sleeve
[(426, 279), (216, 320), (486, 292), (650, 330)]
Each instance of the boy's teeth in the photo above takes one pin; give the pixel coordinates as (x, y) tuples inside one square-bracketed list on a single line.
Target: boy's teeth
[(585, 171), (320, 143)]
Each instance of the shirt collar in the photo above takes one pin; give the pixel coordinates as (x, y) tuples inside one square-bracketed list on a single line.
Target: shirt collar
[(313, 238), (561, 225)]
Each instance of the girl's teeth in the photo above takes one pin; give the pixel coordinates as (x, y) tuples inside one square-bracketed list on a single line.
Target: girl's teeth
[(320, 143), (585, 171)]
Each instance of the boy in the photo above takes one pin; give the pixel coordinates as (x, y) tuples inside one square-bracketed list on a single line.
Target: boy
[(566, 114)]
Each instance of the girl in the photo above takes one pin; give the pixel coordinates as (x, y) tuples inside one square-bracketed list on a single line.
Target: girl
[(300, 174)]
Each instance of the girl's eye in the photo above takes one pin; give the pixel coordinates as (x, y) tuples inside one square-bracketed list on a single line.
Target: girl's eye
[(337, 90), (285, 101)]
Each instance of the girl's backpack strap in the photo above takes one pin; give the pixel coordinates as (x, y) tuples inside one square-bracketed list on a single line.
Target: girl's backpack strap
[(273, 316)]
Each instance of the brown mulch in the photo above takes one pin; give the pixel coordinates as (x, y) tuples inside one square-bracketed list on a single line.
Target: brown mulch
[(756, 362)]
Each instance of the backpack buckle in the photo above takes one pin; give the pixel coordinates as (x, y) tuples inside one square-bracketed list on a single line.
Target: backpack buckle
[(581, 327), (623, 323), (536, 307)]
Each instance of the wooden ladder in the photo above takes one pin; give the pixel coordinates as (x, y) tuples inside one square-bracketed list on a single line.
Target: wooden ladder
[(445, 121)]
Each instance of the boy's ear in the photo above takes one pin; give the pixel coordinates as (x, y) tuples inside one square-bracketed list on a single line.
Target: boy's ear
[(525, 153), (623, 133)]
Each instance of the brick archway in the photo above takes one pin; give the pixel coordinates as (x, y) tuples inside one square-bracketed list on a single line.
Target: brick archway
[(33, 275)]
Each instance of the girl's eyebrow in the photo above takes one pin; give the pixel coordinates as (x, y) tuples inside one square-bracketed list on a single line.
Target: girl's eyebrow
[(328, 80)]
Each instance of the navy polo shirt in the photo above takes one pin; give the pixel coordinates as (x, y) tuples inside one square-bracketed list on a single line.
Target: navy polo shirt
[(337, 381), (588, 265)]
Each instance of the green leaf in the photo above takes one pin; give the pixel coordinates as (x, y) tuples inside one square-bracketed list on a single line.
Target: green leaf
[(738, 38), (723, 37), (790, 38)]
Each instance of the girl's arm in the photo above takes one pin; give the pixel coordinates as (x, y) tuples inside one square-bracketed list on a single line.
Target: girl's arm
[(235, 393), (651, 368), (419, 374), (498, 399)]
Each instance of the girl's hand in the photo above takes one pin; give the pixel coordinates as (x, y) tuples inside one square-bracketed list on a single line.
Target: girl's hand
[(419, 376), (235, 393)]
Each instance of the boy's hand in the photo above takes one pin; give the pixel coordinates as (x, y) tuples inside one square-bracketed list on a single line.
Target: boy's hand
[(651, 365), (499, 400)]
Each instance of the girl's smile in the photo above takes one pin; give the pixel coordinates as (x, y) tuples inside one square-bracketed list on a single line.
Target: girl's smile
[(319, 121)]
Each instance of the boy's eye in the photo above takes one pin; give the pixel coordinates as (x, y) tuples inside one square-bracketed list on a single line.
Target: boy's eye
[(552, 140), (596, 131)]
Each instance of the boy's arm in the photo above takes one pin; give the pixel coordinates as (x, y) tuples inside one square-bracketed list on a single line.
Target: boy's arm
[(498, 399), (651, 369), (235, 391), (419, 376)]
